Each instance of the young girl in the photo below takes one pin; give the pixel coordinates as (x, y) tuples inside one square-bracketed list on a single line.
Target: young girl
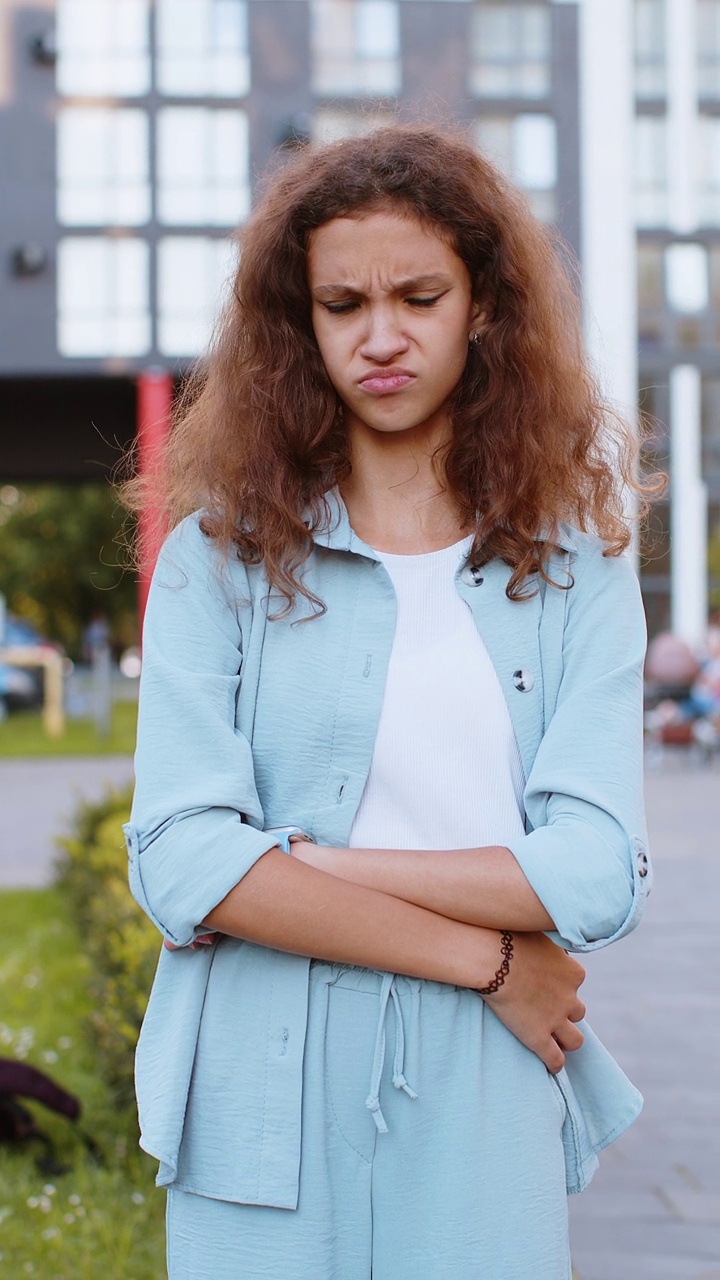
[(389, 756)]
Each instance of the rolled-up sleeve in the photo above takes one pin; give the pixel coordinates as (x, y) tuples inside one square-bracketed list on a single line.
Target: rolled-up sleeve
[(196, 823), (586, 855)]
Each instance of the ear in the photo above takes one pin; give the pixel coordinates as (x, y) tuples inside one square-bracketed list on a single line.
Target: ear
[(478, 318)]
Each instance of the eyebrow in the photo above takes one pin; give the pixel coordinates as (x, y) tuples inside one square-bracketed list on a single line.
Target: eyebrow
[(412, 285)]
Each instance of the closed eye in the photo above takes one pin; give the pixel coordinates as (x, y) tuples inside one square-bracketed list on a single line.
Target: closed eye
[(425, 302), (339, 308), (344, 308)]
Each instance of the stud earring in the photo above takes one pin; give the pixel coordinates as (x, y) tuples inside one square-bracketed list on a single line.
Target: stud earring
[(475, 339)]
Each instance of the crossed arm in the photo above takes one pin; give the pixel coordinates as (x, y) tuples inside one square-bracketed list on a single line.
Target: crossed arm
[(313, 904), (478, 886)]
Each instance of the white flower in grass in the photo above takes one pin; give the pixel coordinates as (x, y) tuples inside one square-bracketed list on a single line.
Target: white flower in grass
[(69, 1218), (6, 1035), (65, 1042), (49, 1055), (31, 980), (45, 1204), (137, 1197), (50, 1233), (49, 1189), (32, 1202), (24, 1041), (74, 1199)]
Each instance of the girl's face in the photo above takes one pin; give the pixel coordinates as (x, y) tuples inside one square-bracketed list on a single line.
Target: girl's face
[(393, 313)]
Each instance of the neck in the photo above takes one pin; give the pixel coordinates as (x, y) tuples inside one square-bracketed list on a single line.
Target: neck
[(396, 495)]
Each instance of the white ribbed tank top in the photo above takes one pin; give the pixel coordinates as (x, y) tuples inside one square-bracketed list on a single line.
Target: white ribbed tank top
[(446, 770)]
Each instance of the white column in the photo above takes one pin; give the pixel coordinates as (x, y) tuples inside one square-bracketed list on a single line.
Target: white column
[(688, 496), (608, 251), (606, 180), (688, 509), (682, 126)]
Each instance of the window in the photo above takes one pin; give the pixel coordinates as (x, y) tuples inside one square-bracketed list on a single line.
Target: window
[(709, 169), (355, 47), (103, 48), (203, 48), (651, 197), (650, 49), (193, 272), (708, 32), (525, 148), (651, 291), (102, 161), (510, 50), (203, 166), (715, 277), (686, 277), (329, 124), (710, 417), (103, 297)]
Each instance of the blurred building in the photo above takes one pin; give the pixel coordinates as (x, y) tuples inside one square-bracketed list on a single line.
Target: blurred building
[(131, 134)]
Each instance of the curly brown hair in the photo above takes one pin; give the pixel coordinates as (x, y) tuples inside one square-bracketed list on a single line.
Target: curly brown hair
[(259, 438)]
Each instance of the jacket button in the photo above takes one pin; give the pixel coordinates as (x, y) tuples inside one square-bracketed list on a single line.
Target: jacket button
[(642, 859), (471, 576), (523, 680)]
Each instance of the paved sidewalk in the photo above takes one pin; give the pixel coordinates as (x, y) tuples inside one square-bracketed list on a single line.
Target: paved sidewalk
[(653, 1209), (37, 797)]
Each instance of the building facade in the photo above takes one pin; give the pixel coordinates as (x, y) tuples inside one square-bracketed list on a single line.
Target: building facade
[(132, 134)]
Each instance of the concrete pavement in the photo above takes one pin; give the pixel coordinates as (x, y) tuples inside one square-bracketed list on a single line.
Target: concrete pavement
[(653, 1210), (37, 799)]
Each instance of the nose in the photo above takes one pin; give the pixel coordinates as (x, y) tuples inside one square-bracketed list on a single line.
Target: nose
[(384, 338)]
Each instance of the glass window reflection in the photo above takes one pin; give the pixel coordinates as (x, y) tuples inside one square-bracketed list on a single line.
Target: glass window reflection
[(510, 50)]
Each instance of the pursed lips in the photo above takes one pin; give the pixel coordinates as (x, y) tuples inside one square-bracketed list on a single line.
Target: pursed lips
[(385, 381)]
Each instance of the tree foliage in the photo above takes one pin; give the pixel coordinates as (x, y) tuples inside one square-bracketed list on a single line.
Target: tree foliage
[(62, 561)]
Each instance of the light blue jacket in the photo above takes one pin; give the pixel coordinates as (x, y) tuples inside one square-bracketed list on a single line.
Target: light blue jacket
[(248, 724)]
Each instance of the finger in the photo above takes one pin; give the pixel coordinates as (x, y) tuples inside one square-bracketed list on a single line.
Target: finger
[(569, 1037), (553, 1057), (578, 1012), (171, 946)]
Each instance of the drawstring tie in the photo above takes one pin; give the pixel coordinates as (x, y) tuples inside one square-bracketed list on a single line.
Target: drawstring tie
[(372, 1102)]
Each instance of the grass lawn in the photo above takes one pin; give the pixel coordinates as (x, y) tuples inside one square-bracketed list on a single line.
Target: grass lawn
[(22, 734), (99, 1219)]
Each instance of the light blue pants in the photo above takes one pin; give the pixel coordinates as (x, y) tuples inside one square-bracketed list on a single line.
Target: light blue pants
[(431, 1150)]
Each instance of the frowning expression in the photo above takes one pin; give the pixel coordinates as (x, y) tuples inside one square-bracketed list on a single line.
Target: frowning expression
[(393, 312)]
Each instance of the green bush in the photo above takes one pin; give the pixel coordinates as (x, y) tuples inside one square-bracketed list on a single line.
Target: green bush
[(101, 1217), (121, 943)]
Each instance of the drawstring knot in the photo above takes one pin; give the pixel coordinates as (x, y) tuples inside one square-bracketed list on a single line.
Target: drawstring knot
[(372, 1102)]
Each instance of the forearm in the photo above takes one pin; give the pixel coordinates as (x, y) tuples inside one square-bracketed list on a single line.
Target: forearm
[(483, 887), (282, 903)]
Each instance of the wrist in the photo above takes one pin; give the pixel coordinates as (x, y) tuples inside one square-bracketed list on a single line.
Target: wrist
[(476, 954), (503, 969)]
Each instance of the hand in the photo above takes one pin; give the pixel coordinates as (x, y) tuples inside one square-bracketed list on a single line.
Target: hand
[(202, 940), (538, 1001)]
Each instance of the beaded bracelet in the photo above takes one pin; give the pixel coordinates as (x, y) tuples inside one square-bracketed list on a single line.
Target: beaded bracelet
[(501, 974)]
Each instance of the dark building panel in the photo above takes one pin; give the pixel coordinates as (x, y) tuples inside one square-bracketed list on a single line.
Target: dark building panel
[(566, 107), (435, 40), (27, 195), (64, 428), (280, 98)]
